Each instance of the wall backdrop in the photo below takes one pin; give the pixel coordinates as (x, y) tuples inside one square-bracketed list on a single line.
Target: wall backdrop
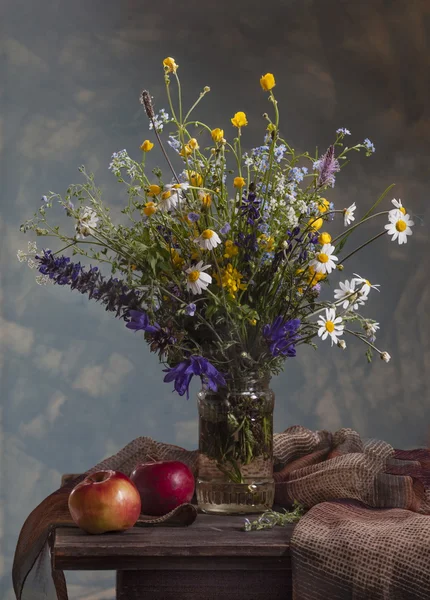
[(76, 385)]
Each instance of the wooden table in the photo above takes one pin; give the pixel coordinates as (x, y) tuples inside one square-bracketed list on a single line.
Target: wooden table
[(213, 559)]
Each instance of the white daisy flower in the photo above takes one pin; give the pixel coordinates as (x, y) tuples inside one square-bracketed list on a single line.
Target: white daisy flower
[(399, 226), (324, 260), (177, 186), (348, 214), (88, 221), (371, 329), (170, 199), (330, 325), (347, 292), (197, 279), (364, 286), (398, 204), (385, 357), (208, 239)]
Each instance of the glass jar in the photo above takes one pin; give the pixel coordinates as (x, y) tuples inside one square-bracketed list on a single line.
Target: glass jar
[(235, 470)]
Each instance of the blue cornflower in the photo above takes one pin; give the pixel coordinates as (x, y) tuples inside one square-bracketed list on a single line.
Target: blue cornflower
[(343, 131), (225, 229), (183, 372), (282, 336), (327, 166), (193, 217), (370, 148), (191, 309)]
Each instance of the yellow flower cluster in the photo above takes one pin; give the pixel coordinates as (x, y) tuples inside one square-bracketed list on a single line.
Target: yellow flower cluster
[(230, 279), (266, 242), (230, 249), (189, 147), (177, 260)]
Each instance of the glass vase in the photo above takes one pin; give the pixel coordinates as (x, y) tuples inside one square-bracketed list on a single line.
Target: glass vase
[(235, 471)]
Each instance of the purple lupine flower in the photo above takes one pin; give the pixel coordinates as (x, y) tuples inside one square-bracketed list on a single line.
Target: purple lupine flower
[(183, 372), (343, 131), (193, 217), (191, 309), (327, 166), (250, 208), (282, 336), (112, 293), (225, 229)]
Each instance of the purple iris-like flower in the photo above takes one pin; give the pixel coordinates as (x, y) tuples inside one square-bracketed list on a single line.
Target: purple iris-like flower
[(282, 336), (183, 372), (112, 293), (193, 217), (140, 322), (191, 309), (225, 229), (327, 166)]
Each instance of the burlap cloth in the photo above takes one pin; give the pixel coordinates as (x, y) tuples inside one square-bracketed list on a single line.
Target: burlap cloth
[(365, 537)]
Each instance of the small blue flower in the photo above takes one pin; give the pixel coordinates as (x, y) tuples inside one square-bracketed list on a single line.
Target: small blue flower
[(193, 217), (370, 148), (225, 229), (191, 309), (44, 199), (343, 131)]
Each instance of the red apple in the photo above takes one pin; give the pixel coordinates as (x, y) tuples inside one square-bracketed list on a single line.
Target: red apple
[(105, 501), (163, 485)]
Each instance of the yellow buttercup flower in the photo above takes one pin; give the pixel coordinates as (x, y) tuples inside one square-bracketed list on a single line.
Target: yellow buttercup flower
[(267, 82), (239, 182), (193, 144), (230, 249), (324, 238), (253, 322), (153, 190), (315, 224), (196, 179), (150, 208), (323, 205), (186, 150), (170, 65), (239, 119), (147, 146), (315, 277), (217, 134), (205, 198)]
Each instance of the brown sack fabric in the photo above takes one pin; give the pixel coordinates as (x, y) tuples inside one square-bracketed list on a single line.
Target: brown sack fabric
[(365, 537)]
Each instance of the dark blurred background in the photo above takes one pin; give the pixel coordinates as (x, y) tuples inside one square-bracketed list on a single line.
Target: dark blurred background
[(76, 385)]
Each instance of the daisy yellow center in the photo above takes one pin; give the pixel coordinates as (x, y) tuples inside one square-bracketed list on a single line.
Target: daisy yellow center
[(329, 326), (193, 276), (402, 210), (323, 257), (401, 225), (368, 283), (207, 234)]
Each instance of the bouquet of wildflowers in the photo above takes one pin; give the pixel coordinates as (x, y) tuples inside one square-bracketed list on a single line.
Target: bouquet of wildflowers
[(224, 255)]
